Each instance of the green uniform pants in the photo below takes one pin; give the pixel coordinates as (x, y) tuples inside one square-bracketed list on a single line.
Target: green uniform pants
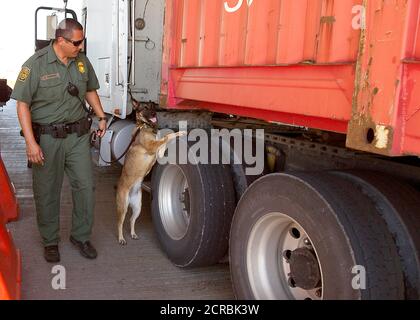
[(72, 156)]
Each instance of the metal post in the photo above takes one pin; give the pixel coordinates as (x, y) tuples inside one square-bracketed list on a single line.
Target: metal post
[(65, 9)]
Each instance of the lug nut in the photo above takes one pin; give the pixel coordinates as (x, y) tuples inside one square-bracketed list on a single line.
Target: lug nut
[(287, 254), (307, 242), (295, 233), (318, 293), (291, 283)]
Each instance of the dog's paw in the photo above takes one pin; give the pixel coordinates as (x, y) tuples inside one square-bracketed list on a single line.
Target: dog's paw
[(122, 242), (161, 152), (134, 236)]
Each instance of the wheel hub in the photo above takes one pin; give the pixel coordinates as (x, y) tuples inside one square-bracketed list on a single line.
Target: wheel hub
[(185, 199), (304, 269)]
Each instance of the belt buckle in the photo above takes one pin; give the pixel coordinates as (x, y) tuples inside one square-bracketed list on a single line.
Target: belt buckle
[(60, 131)]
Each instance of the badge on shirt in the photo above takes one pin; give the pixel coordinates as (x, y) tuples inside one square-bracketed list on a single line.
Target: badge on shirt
[(81, 67), (24, 74)]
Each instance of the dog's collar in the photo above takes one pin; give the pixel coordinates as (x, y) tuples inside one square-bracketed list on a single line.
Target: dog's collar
[(146, 125)]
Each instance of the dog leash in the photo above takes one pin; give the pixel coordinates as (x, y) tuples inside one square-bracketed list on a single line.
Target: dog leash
[(125, 152)]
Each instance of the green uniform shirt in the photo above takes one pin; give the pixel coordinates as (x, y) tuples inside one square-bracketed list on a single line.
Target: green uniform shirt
[(43, 81)]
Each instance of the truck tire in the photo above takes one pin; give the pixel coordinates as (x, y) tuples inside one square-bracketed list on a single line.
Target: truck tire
[(398, 204), (311, 236), (192, 208)]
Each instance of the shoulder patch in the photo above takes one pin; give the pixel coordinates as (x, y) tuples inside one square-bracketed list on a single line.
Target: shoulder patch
[(24, 74)]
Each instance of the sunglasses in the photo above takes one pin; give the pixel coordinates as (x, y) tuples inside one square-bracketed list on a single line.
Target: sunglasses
[(75, 43)]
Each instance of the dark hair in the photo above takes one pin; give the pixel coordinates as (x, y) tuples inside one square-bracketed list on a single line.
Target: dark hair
[(66, 27)]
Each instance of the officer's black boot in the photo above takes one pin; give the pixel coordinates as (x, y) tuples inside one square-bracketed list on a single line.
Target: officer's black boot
[(86, 249), (51, 254)]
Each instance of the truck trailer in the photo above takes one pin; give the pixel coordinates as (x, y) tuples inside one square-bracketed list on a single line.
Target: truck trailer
[(335, 212)]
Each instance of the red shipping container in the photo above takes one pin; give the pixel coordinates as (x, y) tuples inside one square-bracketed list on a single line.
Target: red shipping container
[(348, 66)]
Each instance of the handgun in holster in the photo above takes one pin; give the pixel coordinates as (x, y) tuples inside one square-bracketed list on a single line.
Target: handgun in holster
[(36, 131)]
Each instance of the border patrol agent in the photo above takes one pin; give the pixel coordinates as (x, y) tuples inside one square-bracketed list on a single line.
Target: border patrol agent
[(56, 129)]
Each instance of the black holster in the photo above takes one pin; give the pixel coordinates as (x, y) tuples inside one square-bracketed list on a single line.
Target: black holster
[(37, 135)]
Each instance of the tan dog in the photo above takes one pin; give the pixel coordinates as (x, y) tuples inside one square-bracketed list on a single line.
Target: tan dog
[(139, 160)]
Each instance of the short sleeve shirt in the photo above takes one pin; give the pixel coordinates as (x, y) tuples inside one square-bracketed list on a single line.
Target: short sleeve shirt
[(42, 84)]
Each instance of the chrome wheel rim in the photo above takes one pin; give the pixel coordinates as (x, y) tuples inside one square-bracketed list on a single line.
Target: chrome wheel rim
[(275, 249), (174, 202)]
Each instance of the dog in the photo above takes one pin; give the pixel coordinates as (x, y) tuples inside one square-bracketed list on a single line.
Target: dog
[(140, 159)]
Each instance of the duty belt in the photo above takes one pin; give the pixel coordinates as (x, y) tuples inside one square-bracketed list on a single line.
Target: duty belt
[(61, 130)]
